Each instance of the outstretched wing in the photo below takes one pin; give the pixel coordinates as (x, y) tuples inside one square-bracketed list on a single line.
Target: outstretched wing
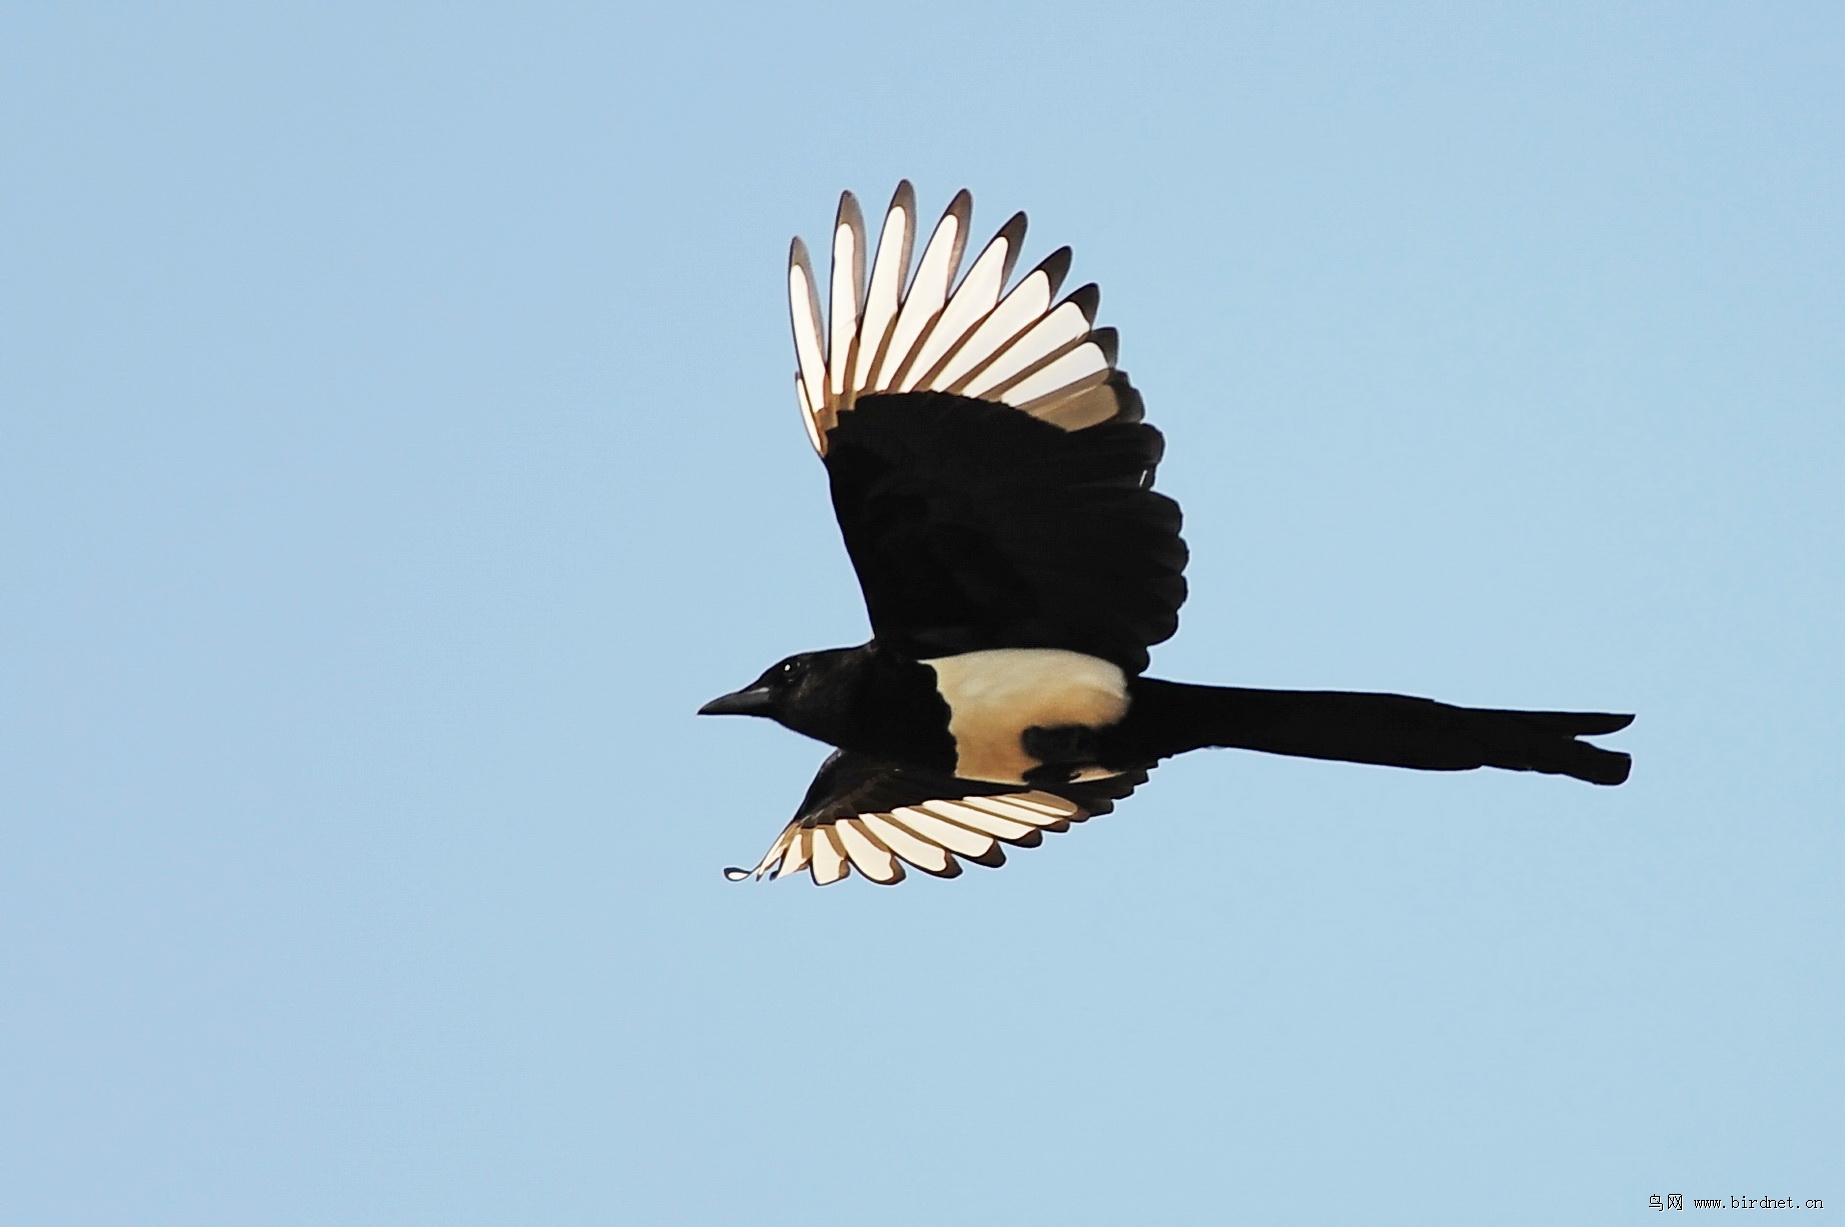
[(989, 467), (861, 813)]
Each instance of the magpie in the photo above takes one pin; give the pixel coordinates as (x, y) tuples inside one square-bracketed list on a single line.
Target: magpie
[(992, 475)]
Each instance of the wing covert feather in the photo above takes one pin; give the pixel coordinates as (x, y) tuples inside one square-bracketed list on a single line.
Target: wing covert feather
[(974, 526)]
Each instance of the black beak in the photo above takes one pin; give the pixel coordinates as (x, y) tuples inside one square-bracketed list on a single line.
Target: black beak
[(756, 701)]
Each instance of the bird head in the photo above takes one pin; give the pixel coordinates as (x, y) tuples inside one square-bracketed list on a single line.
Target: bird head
[(807, 692)]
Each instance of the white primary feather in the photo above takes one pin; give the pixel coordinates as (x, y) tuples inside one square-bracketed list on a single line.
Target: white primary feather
[(925, 333), (928, 835)]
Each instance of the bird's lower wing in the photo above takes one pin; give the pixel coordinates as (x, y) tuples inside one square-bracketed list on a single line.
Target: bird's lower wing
[(877, 817)]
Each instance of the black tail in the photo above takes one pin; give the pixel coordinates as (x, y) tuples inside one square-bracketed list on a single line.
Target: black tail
[(1392, 730)]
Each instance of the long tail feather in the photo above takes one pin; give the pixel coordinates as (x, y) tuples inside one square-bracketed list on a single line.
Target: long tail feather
[(1391, 730)]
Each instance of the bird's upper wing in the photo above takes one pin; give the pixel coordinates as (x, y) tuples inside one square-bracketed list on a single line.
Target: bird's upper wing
[(861, 813), (988, 463)]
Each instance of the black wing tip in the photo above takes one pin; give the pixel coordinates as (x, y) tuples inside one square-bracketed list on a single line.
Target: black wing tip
[(951, 868), (896, 880), (1108, 340), (1088, 299), (734, 874), (992, 858), (1055, 268)]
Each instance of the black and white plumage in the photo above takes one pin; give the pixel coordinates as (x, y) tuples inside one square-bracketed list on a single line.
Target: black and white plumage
[(993, 479), (865, 813)]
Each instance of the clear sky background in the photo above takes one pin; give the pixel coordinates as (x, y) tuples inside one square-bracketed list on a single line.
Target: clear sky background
[(397, 445)]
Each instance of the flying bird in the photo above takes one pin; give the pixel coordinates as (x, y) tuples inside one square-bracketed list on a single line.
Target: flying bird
[(993, 479)]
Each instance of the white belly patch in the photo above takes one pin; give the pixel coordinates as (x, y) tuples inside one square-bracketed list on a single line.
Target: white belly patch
[(994, 696)]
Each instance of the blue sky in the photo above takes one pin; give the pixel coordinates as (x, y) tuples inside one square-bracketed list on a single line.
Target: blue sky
[(397, 446)]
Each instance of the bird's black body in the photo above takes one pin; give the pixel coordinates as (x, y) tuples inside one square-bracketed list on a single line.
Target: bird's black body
[(1016, 563), (872, 702)]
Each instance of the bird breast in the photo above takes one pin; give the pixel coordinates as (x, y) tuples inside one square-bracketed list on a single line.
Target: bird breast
[(994, 696)]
